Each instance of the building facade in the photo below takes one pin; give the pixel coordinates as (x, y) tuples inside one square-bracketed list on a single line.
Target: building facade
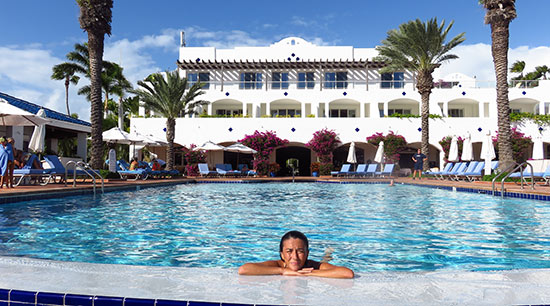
[(296, 88)]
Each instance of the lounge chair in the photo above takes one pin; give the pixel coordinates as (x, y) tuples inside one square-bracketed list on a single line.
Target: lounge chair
[(226, 169), (204, 171), (343, 171), (58, 170), (125, 172), (249, 172), (371, 170), (387, 171), (40, 176), (462, 174), (453, 170), (361, 171), (480, 170), (447, 168)]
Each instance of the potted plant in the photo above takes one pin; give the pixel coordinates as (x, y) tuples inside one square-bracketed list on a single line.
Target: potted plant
[(273, 169), (315, 167)]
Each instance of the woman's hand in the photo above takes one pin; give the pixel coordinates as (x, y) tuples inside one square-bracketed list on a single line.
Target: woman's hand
[(302, 272)]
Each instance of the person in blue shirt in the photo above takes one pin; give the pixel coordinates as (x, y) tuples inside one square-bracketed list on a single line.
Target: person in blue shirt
[(418, 159), (3, 162)]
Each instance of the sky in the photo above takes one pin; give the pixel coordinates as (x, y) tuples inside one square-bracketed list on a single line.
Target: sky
[(35, 35)]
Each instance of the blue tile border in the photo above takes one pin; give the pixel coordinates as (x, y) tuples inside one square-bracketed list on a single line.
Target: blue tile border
[(26, 298)]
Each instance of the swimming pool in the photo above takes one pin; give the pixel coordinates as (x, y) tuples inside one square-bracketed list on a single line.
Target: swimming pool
[(370, 227)]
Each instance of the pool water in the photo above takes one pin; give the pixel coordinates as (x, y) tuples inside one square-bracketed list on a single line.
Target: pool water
[(370, 227)]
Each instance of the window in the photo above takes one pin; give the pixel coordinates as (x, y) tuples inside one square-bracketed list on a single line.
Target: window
[(251, 80), (306, 79), (229, 112), (342, 113), (456, 112), (336, 79), (203, 77), (286, 112), (515, 110), (399, 111), (280, 80), (392, 80)]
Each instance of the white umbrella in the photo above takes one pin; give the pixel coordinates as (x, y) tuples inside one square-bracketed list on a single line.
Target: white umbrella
[(488, 153), (14, 116), (143, 140), (379, 153), (538, 148), (38, 136), (453, 150), (467, 149), (116, 135), (209, 146), (352, 158), (240, 148)]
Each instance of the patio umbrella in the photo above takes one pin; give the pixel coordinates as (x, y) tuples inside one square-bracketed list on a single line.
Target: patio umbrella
[(209, 146), (352, 158), (467, 149), (240, 148), (538, 148), (116, 135), (38, 136), (14, 116), (488, 153), (453, 150), (379, 153)]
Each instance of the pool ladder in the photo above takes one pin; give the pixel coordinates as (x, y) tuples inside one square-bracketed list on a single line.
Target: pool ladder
[(512, 168), (84, 167)]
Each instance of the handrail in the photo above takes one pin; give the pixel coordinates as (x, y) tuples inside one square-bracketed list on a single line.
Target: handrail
[(80, 165), (511, 169)]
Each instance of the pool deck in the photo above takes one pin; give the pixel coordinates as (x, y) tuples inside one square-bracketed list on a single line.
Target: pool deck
[(482, 187)]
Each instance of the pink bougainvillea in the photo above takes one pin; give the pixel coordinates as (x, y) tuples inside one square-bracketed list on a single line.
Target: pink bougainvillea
[(520, 145), (264, 143), (393, 143), (445, 143), (323, 143), (192, 158)]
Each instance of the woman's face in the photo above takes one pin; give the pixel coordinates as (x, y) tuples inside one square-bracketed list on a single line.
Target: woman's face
[(294, 253)]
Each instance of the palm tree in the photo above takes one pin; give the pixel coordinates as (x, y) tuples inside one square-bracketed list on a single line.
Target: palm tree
[(167, 94), (518, 67), (419, 47), (66, 71), (542, 70), (499, 14), (95, 18)]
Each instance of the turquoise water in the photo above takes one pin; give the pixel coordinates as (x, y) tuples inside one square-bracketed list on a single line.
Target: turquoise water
[(370, 227)]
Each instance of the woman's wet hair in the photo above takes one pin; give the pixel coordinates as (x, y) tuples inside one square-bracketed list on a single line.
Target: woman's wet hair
[(295, 235)]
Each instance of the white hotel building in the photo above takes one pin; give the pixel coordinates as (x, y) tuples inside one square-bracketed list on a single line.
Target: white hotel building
[(296, 88)]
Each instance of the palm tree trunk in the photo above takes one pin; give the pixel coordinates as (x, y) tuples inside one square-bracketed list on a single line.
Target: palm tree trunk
[(424, 86), (95, 44), (499, 48), (170, 133), (120, 114), (67, 95)]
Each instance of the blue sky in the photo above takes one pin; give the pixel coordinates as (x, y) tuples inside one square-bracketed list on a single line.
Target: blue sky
[(36, 34)]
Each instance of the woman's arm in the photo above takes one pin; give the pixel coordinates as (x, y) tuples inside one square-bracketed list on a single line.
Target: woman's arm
[(332, 271), (270, 267)]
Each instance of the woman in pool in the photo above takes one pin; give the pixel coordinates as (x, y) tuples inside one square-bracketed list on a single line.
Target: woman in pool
[(293, 250)]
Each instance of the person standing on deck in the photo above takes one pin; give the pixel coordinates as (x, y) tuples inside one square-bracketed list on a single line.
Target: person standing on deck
[(418, 159)]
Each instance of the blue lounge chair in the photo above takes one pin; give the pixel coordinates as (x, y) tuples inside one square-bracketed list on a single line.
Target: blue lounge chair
[(125, 172), (480, 169), (226, 169), (58, 170), (343, 171), (204, 171), (447, 168), (249, 172), (441, 175), (361, 171), (371, 170), (462, 174), (40, 176), (387, 171)]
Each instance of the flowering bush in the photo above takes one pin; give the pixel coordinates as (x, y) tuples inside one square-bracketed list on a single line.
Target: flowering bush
[(520, 144), (323, 143), (445, 143), (393, 143), (192, 158), (264, 143)]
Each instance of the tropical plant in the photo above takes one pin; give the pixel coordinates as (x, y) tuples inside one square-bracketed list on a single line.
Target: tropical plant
[(192, 159), (168, 95), (518, 67), (95, 18), (393, 143), (499, 14), (520, 145), (445, 143), (542, 70), (419, 47), (264, 143), (324, 142), (66, 72)]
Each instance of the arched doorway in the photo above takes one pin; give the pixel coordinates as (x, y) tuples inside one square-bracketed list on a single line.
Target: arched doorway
[(303, 155)]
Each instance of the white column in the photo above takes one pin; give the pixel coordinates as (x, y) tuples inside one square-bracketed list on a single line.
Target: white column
[(303, 109), (268, 109), (81, 146), (481, 108), (326, 109), (446, 109), (541, 108), (17, 135), (209, 109), (386, 104), (245, 109), (362, 109)]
